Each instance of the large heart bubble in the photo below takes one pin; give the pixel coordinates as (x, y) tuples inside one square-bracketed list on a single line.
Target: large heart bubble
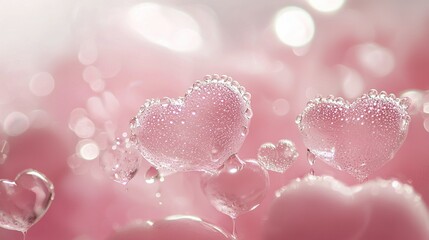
[(321, 207), (197, 132), (24, 201), (358, 138), (173, 227)]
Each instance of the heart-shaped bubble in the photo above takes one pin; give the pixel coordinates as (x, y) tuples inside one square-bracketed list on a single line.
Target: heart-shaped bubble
[(197, 132), (122, 161), (237, 188), (24, 201), (277, 158), (173, 227), (358, 138), (321, 207)]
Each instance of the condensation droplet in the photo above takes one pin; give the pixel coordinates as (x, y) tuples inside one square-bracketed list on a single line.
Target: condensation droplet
[(372, 93), (244, 131), (248, 113)]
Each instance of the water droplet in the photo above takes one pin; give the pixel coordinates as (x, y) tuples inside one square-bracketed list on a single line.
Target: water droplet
[(372, 93), (4, 150), (247, 96), (311, 158), (233, 164), (208, 78), (244, 131), (248, 113), (134, 122), (165, 101), (405, 102), (298, 119), (152, 175), (122, 161)]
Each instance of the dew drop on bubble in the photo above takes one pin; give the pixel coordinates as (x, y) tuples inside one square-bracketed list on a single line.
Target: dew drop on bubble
[(233, 164), (244, 131), (122, 161), (248, 113), (372, 93)]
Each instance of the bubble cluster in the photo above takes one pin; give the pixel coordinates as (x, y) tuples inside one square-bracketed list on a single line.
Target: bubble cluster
[(122, 161), (196, 132), (359, 137), (277, 158)]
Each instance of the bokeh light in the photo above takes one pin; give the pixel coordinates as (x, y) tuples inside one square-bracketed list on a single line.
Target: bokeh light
[(166, 26), (294, 26), (42, 84), (16, 123), (326, 6)]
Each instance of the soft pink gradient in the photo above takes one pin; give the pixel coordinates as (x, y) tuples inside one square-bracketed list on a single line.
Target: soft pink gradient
[(237, 40)]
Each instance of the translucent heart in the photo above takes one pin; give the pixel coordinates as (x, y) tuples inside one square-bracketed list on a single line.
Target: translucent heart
[(197, 132), (237, 188), (24, 201), (358, 138), (277, 158), (122, 161), (321, 207)]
